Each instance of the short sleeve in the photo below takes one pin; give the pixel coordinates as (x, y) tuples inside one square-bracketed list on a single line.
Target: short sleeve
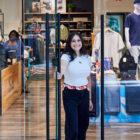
[(127, 21), (89, 61), (121, 43), (5, 43), (65, 57)]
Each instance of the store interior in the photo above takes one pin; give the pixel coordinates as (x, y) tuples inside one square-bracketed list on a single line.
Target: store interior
[(23, 81)]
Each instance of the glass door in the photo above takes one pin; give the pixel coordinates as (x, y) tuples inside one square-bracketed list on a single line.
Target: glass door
[(40, 25), (118, 84)]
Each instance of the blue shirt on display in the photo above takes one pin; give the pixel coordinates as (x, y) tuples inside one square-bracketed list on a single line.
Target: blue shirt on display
[(133, 23)]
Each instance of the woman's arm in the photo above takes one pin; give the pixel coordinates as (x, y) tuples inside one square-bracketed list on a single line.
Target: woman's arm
[(90, 96), (64, 64), (89, 84)]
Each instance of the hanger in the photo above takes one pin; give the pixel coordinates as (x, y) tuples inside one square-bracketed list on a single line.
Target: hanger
[(108, 29)]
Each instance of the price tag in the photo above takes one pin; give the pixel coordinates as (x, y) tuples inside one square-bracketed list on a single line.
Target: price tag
[(124, 59)]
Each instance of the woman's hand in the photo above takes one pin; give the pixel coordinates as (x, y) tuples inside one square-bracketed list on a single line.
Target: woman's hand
[(90, 105), (59, 76)]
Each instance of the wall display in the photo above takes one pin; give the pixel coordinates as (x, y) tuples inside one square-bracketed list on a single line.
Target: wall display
[(78, 22), (116, 22), (61, 6), (35, 6), (48, 6), (75, 22)]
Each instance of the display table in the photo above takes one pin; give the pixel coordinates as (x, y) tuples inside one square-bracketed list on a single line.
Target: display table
[(11, 85), (129, 104)]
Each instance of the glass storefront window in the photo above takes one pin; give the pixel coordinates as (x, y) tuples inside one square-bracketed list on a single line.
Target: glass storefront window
[(23, 66)]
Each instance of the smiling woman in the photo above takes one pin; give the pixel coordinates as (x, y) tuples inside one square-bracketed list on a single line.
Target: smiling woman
[(75, 66), (76, 44)]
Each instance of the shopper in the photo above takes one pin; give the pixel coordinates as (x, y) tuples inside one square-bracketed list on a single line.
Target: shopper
[(14, 43), (75, 66)]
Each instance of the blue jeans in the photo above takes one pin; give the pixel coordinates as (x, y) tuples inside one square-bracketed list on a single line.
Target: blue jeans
[(76, 106), (111, 94)]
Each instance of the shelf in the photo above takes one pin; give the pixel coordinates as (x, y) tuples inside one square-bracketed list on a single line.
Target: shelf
[(34, 13), (72, 13), (69, 30), (35, 21), (74, 21), (33, 30), (76, 13), (60, 21), (80, 29), (66, 18), (39, 21)]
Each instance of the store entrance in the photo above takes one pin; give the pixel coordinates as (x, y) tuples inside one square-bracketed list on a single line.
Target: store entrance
[(31, 106)]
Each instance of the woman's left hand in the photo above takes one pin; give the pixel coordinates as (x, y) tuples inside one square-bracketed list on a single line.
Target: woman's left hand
[(90, 105)]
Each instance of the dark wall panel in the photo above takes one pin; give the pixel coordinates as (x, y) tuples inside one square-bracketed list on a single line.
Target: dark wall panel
[(82, 5)]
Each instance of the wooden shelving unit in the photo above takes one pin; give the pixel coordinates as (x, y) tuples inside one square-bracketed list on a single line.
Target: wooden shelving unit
[(67, 13), (73, 19), (60, 21), (69, 19)]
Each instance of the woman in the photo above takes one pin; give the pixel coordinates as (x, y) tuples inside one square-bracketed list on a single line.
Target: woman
[(75, 66), (14, 44)]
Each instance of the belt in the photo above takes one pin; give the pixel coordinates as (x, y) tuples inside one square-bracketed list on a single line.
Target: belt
[(76, 87)]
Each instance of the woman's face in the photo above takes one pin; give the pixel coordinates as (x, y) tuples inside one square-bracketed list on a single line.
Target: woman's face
[(12, 35), (76, 43)]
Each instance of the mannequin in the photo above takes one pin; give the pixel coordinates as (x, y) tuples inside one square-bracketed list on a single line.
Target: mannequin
[(132, 31), (132, 35)]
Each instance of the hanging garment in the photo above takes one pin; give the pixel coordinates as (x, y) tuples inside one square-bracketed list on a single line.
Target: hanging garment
[(2, 57), (113, 44), (37, 43), (132, 98), (63, 32), (52, 36), (111, 94), (61, 6)]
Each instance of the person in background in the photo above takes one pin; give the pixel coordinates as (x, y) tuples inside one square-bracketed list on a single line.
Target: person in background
[(14, 43), (75, 66)]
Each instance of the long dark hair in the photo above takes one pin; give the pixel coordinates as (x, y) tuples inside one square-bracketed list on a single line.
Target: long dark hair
[(68, 50), (15, 32)]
